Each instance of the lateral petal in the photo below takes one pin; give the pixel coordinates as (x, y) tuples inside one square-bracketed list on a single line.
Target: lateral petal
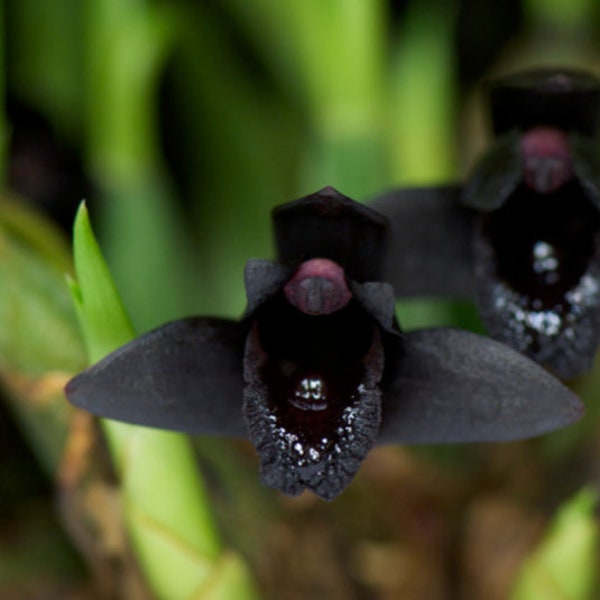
[(185, 376), (430, 251), (446, 385), (496, 174)]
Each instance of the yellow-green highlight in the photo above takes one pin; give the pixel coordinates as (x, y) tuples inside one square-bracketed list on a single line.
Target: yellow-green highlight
[(564, 567), (421, 132)]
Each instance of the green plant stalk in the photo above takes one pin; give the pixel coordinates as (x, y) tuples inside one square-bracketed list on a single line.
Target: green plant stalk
[(46, 62), (266, 24), (128, 42), (330, 57), (340, 55), (253, 142), (422, 101), (329, 53), (420, 112), (3, 122), (165, 503)]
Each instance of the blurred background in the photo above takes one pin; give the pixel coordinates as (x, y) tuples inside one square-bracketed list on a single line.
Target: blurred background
[(182, 123)]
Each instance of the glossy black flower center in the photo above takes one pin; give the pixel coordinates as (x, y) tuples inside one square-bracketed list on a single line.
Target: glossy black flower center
[(311, 401), (543, 242), (315, 364)]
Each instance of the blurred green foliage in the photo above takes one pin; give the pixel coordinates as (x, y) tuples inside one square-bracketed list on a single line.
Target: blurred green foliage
[(565, 565), (187, 121)]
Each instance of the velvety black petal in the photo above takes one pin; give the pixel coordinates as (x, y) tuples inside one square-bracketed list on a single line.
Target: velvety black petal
[(430, 250), (448, 385), (262, 279), (565, 98), (586, 166), (328, 224), (496, 175), (185, 376), (378, 300)]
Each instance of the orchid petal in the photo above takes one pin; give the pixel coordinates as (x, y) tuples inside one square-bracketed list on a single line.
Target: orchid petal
[(564, 98), (185, 376), (496, 175), (262, 279), (378, 300), (430, 250), (447, 385), (329, 225), (586, 166)]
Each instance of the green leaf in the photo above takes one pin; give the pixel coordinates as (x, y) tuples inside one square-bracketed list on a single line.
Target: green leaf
[(564, 566), (103, 318), (38, 333), (40, 343), (165, 503), (128, 43)]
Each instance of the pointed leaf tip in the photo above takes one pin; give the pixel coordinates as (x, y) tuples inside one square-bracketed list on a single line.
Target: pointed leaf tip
[(103, 318)]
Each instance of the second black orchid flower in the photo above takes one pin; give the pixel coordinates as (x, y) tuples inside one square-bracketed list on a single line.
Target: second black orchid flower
[(317, 371), (523, 234)]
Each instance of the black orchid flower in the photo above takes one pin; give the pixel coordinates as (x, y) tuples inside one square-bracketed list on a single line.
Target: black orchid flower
[(317, 370), (523, 234)]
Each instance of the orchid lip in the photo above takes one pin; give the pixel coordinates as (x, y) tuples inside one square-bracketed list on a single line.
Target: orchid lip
[(311, 399)]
